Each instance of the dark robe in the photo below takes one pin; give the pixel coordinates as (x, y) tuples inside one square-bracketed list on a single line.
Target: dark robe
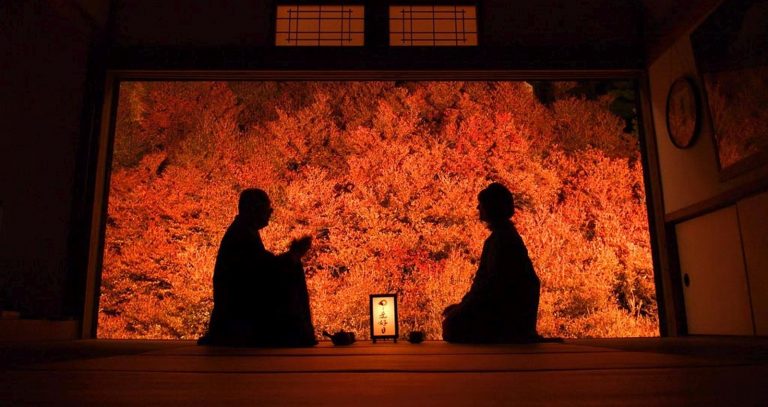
[(259, 299), (503, 302)]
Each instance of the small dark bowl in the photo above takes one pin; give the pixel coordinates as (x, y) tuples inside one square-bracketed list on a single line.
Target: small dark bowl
[(341, 338), (416, 337)]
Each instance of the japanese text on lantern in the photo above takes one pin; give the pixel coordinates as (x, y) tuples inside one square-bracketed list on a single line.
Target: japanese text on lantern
[(383, 315)]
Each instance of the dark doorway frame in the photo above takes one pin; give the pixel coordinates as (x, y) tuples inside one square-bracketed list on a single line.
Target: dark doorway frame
[(666, 274)]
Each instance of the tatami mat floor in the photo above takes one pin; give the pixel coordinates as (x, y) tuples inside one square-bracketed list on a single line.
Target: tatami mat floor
[(670, 371)]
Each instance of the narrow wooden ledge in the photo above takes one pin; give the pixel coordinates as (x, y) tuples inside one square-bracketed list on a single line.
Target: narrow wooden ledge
[(26, 330)]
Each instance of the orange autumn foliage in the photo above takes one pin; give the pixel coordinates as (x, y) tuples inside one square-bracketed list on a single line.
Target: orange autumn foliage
[(384, 176)]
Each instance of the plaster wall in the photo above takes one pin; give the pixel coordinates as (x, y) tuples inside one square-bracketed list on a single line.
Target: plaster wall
[(688, 176), (724, 252), (201, 23), (44, 61)]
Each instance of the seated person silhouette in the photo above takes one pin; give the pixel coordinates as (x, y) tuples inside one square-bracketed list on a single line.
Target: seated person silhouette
[(503, 301), (259, 299)]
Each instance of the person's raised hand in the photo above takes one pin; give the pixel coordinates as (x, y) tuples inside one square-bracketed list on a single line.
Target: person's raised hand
[(300, 247)]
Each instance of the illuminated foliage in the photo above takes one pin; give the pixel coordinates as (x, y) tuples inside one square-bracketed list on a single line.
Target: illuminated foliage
[(385, 177)]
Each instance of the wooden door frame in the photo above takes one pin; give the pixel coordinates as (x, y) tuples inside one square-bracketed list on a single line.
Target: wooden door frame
[(668, 292)]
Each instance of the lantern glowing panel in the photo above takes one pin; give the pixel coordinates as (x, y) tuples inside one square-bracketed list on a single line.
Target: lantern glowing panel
[(383, 316)]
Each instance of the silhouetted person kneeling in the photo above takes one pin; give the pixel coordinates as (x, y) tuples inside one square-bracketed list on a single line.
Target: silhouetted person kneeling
[(259, 299), (503, 302)]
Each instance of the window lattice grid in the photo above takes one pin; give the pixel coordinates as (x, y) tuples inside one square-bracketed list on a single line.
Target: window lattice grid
[(319, 25), (432, 26)]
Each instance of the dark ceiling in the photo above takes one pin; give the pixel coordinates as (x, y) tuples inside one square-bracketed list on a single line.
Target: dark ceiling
[(211, 34)]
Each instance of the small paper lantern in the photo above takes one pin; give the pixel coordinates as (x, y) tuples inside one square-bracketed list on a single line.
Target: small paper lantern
[(383, 316)]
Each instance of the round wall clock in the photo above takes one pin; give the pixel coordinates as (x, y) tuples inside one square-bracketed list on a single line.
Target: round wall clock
[(682, 115)]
